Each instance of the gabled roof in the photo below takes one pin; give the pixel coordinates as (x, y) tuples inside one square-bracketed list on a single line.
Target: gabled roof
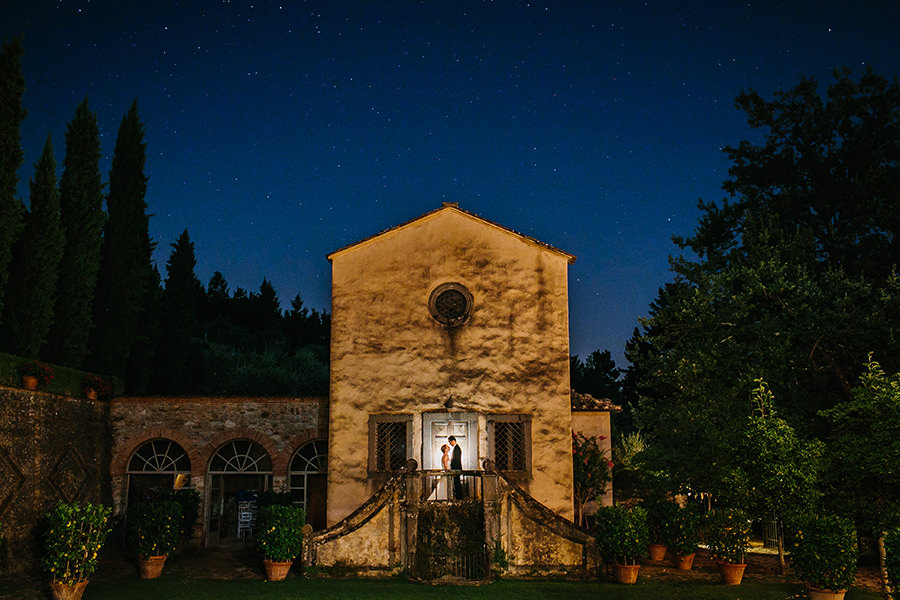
[(452, 206), (586, 402)]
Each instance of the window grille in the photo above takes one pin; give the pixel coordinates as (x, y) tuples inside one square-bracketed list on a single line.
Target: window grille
[(241, 456), (390, 445), (160, 456), (509, 446), (311, 459)]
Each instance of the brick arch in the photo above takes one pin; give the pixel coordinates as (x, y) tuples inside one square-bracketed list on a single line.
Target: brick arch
[(119, 463), (296, 442), (238, 433)]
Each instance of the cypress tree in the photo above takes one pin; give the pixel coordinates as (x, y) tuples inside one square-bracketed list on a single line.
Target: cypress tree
[(179, 319), (12, 211), (81, 207), (125, 259), (35, 268)]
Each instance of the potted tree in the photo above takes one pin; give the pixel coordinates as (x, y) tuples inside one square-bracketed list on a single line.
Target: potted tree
[(279, 538), (728, 537), (660, 514), (684, 536), (73, 537), (35, 374), (153, 529), (622, 536), (824, 555)]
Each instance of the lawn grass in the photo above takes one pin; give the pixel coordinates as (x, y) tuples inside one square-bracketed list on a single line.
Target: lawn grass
[(295, 588)]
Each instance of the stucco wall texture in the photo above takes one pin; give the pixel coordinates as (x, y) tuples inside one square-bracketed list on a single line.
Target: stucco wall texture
[(389, 356)]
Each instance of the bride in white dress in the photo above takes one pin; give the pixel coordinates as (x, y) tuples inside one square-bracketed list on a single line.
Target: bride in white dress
[(440, 489)]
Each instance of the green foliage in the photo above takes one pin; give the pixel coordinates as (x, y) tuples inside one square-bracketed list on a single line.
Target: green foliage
[(33, 368), (94, 382), (73, 537), (501, 560), (189, 500), (66, 381), (81, 209), (727, 533), (892, 560), (12, 211), (862, 479), (35, 267), (622, 533), (126, 270), (154, 527), (779, 291), (660, 518), (774, 473), (592, 470), (279, 535), (685, 529), (824, 552)]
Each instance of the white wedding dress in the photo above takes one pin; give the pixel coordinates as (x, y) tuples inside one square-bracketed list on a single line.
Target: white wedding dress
[(440, 489)]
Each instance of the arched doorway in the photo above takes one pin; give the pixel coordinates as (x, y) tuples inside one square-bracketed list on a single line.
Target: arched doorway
[(307, 481), (156, 466), (238, 472)]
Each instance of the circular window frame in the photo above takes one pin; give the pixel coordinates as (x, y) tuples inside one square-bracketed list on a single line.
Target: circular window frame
[(442, 318)]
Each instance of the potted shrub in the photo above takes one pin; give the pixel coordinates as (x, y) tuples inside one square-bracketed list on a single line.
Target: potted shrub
[(684, 536), (824, 555), (73, 537), (728, 537), (622, 536), (35, 374), (279, 538), (153, 528), (95, 387), (660, 514)]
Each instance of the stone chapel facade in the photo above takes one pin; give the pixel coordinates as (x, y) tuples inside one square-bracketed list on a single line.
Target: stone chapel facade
[(448, 324)]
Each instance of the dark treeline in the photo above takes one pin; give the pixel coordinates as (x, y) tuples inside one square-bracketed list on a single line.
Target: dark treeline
[(78, 286)]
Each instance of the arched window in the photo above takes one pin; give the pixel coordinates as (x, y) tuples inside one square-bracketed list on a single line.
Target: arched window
[(156, 466), (307, 480), (241, 456)]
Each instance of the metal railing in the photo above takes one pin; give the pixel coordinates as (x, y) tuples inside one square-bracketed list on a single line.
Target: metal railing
[(469, 566), (439, 485)]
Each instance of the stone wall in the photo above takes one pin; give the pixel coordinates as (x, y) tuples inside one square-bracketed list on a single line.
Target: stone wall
[(52, 448), (202, 425)]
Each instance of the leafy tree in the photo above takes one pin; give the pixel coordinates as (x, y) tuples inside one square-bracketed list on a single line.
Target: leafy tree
[(592, 471), (34, 273), (12, 211), (775, 473), (862, 479), (793, 280), (81, 205), (179, 324), (126, 269)]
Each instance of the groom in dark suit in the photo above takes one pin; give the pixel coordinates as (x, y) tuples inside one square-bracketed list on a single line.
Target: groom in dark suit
[(456, 465)]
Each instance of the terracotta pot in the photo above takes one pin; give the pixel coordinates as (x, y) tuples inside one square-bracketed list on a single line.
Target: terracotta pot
[(29, 382), (151, 566), (731, 573), (657, 551), (277, 571), (820, 594), (63, 591), (684, 563), (90, 393), (626, 573)]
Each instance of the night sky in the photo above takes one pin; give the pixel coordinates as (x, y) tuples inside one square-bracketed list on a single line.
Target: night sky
[(279, 132)]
